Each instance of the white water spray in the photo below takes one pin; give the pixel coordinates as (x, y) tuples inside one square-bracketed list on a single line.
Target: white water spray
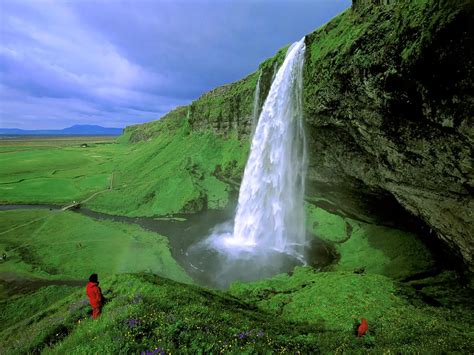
[(256, 105), (268, 233), (270, 213)]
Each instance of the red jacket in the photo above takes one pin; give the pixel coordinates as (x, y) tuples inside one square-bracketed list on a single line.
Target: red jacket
[(95, 294), (363, 328)]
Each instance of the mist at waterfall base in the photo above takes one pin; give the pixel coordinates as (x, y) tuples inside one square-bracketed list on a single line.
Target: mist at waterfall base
[(268, 234)]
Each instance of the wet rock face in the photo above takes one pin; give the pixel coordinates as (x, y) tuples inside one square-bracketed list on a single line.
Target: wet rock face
[(392, 115)]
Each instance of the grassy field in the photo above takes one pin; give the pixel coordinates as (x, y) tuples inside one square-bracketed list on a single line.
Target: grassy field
[(177, 170), (400, 319), (173, 172), (65, 245), (55, 170)]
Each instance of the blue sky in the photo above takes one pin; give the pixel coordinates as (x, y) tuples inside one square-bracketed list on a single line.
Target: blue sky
[(116, 63)]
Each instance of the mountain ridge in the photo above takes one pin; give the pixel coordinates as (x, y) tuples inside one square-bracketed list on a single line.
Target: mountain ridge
[(88, 130)]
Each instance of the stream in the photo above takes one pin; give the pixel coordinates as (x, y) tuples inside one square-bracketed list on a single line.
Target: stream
[(186, 230)]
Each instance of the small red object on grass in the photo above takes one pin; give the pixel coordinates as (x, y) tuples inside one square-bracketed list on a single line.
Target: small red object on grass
[(363, 328)]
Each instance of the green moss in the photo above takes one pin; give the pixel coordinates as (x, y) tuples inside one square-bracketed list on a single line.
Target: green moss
[(383, 40), (377, 249), (325, 225)]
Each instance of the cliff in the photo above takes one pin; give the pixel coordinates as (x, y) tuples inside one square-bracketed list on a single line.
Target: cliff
[(388, 106)]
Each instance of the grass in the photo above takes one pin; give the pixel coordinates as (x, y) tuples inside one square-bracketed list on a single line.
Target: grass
[(179, 164), (146, 313), (374, 248), (66, 245), (306, 312), (173, 172), (332, 301), (54, 171)]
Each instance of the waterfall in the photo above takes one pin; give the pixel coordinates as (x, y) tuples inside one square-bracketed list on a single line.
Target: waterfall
[(270, 212), (268, 233), (275, 68), (256, 102)]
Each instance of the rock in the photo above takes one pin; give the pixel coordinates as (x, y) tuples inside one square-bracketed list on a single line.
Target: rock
[(390, 115)]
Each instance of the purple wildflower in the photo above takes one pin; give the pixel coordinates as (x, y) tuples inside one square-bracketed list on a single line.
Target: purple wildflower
[(156, 351), (132, 323), (137, 299), (243, 335)]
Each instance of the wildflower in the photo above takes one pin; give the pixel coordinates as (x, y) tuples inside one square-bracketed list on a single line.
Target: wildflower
[(137, 299), (132, 323), (159, 351), (243, 335)]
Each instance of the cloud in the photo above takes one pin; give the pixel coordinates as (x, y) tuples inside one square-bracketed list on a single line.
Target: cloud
[(123, 62)]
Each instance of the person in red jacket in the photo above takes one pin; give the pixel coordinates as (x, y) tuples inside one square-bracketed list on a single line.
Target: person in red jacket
[(94, 293), (363, 328)]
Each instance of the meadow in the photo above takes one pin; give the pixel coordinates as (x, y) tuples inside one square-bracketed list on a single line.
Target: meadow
[(55, 170), (395, 282)]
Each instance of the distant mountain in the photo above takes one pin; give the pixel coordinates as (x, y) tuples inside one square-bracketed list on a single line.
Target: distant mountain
[(77, 130)]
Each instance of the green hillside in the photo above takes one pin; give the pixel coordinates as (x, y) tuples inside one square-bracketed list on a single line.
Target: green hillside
[(307, 312), (387, 102)]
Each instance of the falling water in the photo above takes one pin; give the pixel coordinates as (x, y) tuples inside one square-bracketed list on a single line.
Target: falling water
[(270, 213), (275, 68), (267, 235), (256, 104)]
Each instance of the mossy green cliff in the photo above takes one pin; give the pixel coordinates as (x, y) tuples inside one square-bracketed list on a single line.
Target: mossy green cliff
[(388, 107)]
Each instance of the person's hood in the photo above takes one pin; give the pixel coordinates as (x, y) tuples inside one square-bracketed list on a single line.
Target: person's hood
[(91, 284)]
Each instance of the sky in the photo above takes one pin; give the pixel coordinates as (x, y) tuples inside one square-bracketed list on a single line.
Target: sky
[(117, 63)]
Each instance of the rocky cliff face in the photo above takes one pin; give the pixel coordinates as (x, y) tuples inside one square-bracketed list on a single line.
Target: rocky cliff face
[(388, 99), (389, 106)]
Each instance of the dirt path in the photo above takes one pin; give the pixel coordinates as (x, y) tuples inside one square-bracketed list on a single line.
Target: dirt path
[(23, 225), (78, 204), (65, 208)]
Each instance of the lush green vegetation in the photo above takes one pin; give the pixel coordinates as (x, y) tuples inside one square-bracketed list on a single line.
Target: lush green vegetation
[(65, 245), (399, 318), (188, 161), (305, 312), (370, 247), (146, 313), (55, 171), (385, 41), (176, 170)]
